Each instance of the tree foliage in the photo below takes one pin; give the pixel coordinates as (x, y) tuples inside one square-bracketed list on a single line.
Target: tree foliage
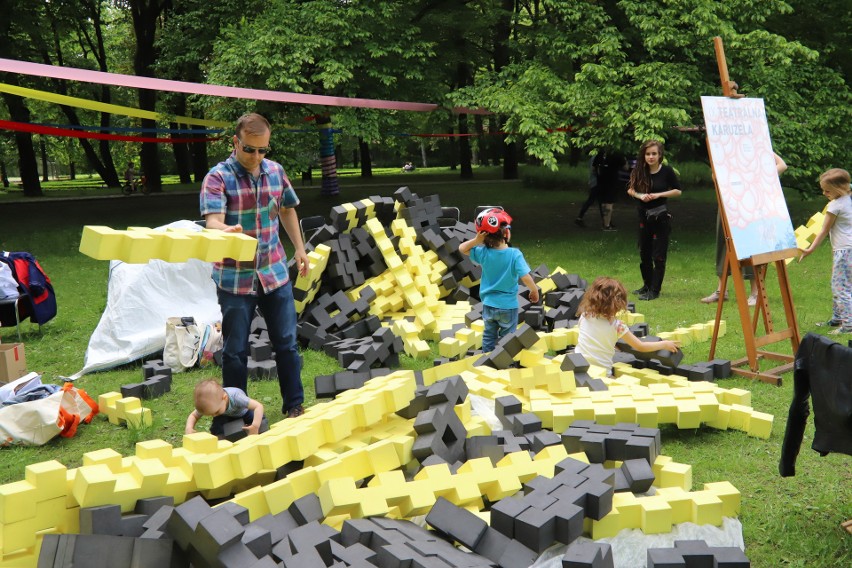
[(618, 73), (559, 76)]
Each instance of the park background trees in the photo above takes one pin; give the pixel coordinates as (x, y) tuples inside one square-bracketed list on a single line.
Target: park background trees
[(558, 78)]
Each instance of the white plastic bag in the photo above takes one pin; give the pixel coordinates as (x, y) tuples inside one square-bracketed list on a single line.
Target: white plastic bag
[(183, 343), (36, 422)]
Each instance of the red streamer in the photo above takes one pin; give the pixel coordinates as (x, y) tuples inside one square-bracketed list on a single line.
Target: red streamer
[(54, 131)]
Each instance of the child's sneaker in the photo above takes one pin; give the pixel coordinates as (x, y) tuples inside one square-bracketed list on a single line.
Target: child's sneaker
[(840, 331)]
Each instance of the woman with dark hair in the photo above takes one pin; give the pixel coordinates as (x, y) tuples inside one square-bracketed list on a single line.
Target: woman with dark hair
[(652, 183)]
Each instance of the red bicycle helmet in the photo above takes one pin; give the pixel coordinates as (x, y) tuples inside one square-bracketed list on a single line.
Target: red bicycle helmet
[(493, 220)]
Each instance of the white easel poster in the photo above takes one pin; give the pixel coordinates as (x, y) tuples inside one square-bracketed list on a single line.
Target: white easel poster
[(744, 165)]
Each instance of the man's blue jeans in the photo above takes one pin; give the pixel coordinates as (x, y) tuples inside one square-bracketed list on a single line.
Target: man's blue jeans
[(498, 322), (279, 311)]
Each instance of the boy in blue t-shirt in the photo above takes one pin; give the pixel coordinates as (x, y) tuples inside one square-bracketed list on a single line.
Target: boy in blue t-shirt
[(225, 404), (502, 267)]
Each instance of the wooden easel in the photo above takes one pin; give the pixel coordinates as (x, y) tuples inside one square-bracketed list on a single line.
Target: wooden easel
[(749, 366)]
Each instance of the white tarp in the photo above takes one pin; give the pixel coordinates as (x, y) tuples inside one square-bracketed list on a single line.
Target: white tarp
[(139, 299)]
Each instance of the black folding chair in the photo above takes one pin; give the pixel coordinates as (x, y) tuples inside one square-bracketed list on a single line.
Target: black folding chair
[(310, 225), (449, 216), (15, 303)]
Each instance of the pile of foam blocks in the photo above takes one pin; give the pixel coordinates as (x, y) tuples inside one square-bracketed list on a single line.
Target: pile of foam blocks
[(401, 468)]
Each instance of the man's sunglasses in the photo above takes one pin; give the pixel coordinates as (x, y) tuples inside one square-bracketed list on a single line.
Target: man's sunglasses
[(252, 149)]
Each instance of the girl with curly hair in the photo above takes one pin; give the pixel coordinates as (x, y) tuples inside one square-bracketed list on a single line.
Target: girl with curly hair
[(600, 329)]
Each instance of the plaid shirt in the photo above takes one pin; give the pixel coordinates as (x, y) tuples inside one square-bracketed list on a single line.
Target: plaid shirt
[(253, 203)]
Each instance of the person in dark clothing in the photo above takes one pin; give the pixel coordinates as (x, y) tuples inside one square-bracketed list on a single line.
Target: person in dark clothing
[(652, 184), (610, 185), (594, 194)]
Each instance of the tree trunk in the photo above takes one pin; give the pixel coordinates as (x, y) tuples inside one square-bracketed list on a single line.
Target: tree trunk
[(181, 151), (18, 112), (146, 14), (42, 150), (182, 159), (480, 155), (199, 160), (328, 160), (3, 176), (423, 153), (72, 171), (464, 149), (366, 159), (510, 155), (502, 31)]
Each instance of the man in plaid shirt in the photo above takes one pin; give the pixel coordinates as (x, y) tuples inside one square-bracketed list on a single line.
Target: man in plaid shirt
[(250, 194)]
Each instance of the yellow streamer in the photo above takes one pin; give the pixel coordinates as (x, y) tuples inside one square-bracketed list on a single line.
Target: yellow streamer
[(104, 107)]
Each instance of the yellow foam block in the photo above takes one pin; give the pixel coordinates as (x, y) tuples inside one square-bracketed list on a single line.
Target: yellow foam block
[(245, 459), (708, 405), (16, 501), (760, 425), (240, 246), (740, 417), (679, 503), (93, 485), (101, 243), (723, 418), (304, 438), (125, 404), (667, 408), (150, 475), (728, 494), (106, 404), (672, 474), (609, 526), (274, 451), (48, 478), (736, 396), (176, 246), (105, 456), (628, 507), (706, 508), (656, 515), (688, 414), (647, 415), (200, 443), (213, 470), (605, 413), (19, 535), (139, 417), (138, 247)]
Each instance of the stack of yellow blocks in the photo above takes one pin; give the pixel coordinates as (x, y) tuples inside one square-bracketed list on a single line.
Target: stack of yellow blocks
[(138, 245), (805, 234), (310, 283), (125, 410)]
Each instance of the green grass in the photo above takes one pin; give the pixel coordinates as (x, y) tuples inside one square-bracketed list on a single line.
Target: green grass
[(786, 522)]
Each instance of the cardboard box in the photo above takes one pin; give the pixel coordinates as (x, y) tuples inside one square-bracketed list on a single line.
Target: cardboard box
[(13, 363)]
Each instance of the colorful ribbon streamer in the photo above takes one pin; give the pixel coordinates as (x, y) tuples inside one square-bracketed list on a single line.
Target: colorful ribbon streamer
[(120, 80), (53, 131), (105, 107)]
